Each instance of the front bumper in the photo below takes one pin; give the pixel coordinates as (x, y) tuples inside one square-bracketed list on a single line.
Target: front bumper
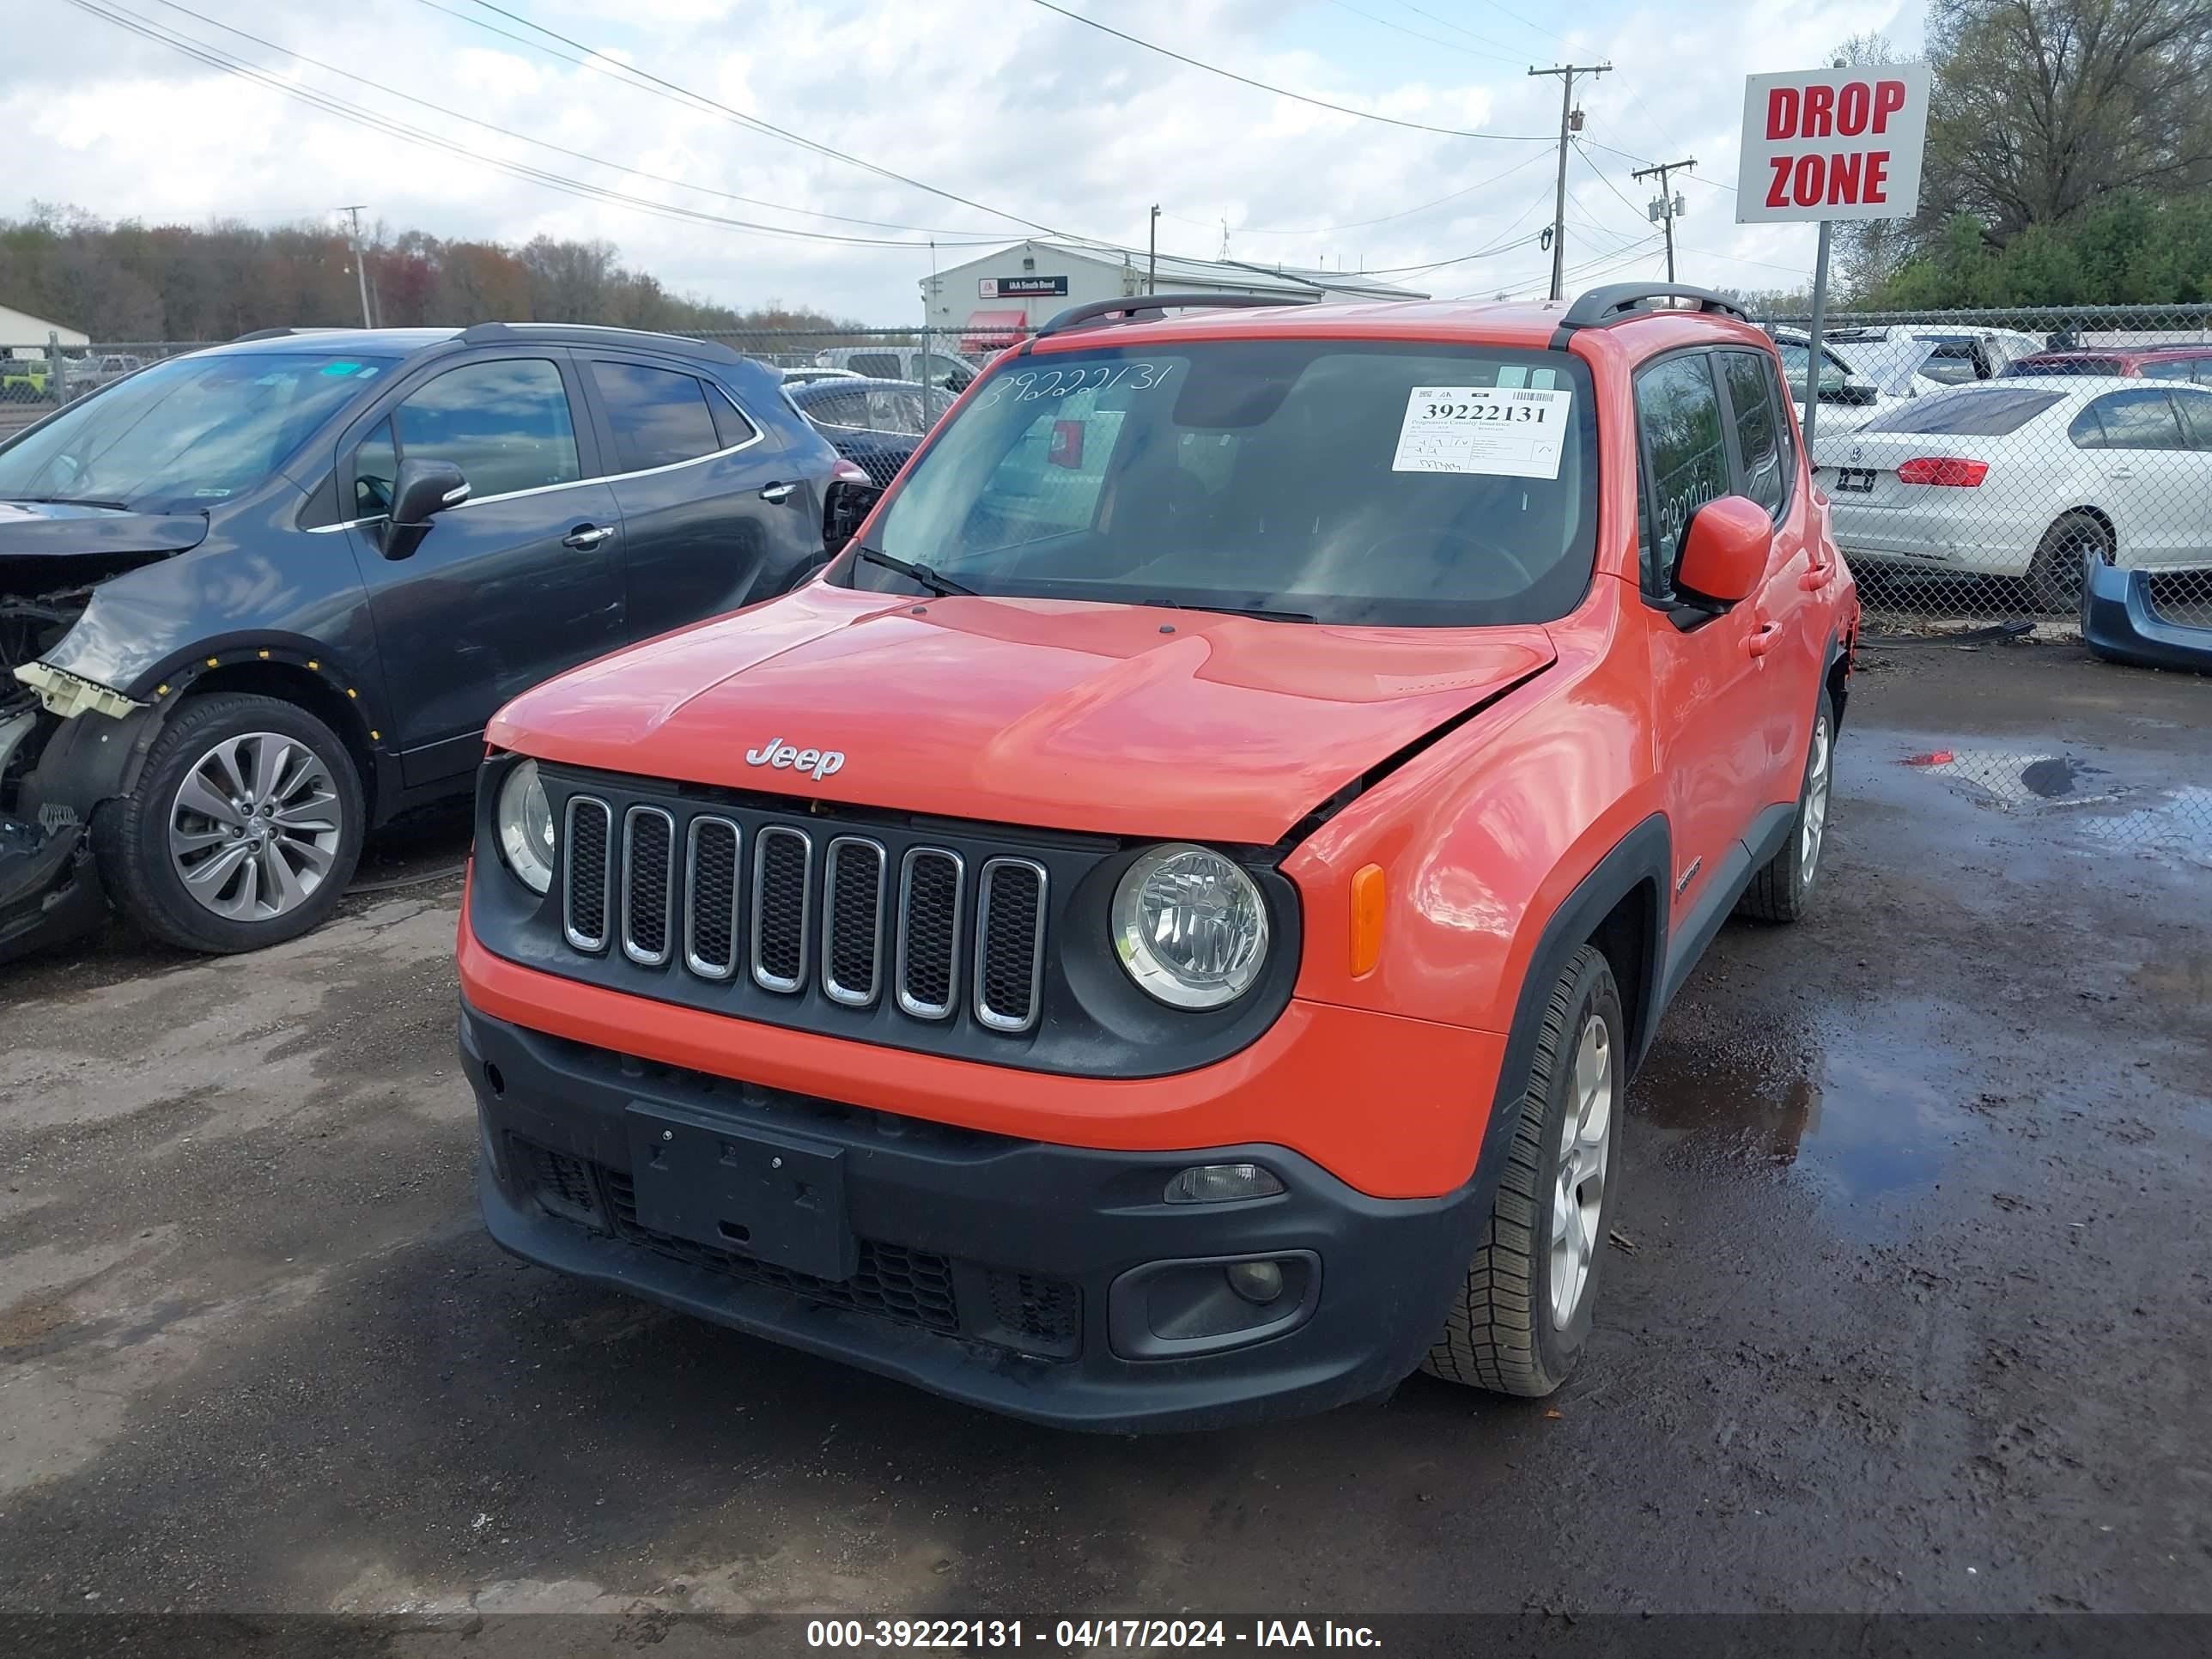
[(2120, 622), (1012, 1274), (49, 892)]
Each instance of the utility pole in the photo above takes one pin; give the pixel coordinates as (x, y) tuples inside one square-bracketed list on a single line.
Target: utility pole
[(1669, 207), (1568, 123), (360, 265), (1152, 265)]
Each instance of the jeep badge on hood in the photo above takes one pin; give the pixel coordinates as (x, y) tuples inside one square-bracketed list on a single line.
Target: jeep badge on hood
[(777, 753)]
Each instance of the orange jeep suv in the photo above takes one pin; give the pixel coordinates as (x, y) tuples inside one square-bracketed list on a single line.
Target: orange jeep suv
[(1158, 931)]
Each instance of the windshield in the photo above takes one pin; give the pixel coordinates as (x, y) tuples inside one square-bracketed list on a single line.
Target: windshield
[(1981, 411), (1336, 481), (184, 434)]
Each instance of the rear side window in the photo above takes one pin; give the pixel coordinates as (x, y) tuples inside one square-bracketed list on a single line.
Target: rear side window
[(2170, 368), (837, 407), (1677, 414), (659, 416), (506, 424), (1975, 412), (1757, 431), (876, 364), (2139, 419)]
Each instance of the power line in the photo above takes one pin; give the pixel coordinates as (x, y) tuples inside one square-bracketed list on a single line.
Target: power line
[(1299, 97), (558, 149), (646, 81), (1345, 5), (1533, 157), (214, 58), (1482, 39)]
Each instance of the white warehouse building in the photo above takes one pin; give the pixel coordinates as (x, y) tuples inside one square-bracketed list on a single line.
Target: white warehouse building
[(988, 302)]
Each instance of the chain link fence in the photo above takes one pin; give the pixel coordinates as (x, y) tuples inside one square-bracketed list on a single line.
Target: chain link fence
[(1983, 466)]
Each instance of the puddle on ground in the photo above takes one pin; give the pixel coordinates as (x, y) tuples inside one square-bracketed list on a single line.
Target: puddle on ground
[(1856, 1117), (2171, 819)]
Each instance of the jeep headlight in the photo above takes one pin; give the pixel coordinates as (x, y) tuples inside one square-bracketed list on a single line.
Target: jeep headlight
[(1190, 926), (526, 826)]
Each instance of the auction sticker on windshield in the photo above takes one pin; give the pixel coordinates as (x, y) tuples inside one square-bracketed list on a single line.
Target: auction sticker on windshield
[(1511, 432)]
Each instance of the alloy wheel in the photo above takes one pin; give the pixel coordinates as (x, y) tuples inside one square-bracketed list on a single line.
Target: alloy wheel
[(1585, 1156), (255, 826), (1815, 815)]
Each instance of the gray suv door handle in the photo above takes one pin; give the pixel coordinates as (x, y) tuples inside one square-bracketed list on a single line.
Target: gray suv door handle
[(587, 535), (778, 492)]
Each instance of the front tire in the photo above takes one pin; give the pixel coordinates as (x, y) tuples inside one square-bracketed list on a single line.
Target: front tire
[(244, 829), (1523, 1315), (1783, 891)]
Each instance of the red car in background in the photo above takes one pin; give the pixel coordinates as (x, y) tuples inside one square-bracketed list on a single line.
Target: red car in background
[(2182, 362)]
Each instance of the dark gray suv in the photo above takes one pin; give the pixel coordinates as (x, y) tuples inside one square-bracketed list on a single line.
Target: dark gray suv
[(256, 599)]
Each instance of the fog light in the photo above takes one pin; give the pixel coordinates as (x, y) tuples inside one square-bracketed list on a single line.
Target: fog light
[(1222, 1183), (1258, 1282)]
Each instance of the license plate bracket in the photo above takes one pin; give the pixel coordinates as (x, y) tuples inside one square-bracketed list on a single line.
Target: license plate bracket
[(778, 1198), (1855, 480)]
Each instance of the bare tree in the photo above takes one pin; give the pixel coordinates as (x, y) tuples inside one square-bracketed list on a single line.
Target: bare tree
[(2042, 105)]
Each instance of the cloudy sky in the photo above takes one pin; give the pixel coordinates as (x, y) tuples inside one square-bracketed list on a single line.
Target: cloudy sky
[(1026, 114)]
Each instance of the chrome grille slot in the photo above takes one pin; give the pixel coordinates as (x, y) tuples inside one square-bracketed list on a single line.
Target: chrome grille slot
[(648, 900), (930, 883), (852, 921), (783, 868), (584, 892), (710, 896), (1009, 943)]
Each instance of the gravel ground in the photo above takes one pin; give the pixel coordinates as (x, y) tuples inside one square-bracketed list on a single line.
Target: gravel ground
[(1907, 1309)]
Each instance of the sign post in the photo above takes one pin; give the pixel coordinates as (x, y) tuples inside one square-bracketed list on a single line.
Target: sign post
[(1830, 144)]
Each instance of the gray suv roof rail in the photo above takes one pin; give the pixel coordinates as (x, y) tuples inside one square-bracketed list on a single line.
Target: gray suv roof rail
[(594, 334), (1618, 301), (1131, 309)]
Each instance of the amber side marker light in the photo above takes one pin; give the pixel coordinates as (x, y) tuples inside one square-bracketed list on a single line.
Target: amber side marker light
[(1367, 904)]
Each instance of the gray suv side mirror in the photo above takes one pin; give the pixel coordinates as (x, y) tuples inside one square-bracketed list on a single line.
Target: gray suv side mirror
[(421, 490)]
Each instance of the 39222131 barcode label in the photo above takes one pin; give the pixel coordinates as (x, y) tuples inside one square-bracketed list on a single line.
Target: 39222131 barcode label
[(1511, 432)]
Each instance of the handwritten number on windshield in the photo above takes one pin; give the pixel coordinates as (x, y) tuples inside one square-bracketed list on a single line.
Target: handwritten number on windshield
[(1036, 385)]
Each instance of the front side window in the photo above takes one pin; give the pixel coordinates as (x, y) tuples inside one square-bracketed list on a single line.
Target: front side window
[(1758, 440), (2139, 419), (1400, 486), (876, 364), (506, 424), (187, 432), (1677, 414), (659, 416)]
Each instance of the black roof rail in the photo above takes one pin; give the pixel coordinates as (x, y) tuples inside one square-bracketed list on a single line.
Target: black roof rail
[(1129, 310), (1616, 301), (594, 334), (274, 334)]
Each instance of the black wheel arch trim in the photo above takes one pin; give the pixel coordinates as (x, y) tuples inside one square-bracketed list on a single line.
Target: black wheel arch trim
[(1642, 856)]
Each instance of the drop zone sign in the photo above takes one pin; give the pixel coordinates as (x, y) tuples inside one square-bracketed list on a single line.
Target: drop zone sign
[(1833, 145)]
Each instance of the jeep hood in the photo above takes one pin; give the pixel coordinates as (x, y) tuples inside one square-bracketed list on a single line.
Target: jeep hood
[(1119, 720)]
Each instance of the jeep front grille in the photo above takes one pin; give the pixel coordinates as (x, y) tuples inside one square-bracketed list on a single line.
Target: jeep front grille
[(789, 908)]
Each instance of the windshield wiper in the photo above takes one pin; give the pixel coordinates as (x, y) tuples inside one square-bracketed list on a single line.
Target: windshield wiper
[(1259, 610), (943, 587), (68, 500)]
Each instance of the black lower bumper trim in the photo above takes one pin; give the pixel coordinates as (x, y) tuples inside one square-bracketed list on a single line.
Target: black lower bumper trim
[(48, 891), (983, 1268)]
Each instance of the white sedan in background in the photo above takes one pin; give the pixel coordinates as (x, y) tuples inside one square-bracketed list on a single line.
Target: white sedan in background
[(2026, 477)]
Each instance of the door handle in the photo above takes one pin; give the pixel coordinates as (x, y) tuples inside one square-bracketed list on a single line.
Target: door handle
[(587, 535), (1760, 643), (2121, 472), (778, 492), (1817, 578)]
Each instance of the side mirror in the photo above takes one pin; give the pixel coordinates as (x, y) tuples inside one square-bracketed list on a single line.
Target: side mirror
[(421, 490), (1724, 552)]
